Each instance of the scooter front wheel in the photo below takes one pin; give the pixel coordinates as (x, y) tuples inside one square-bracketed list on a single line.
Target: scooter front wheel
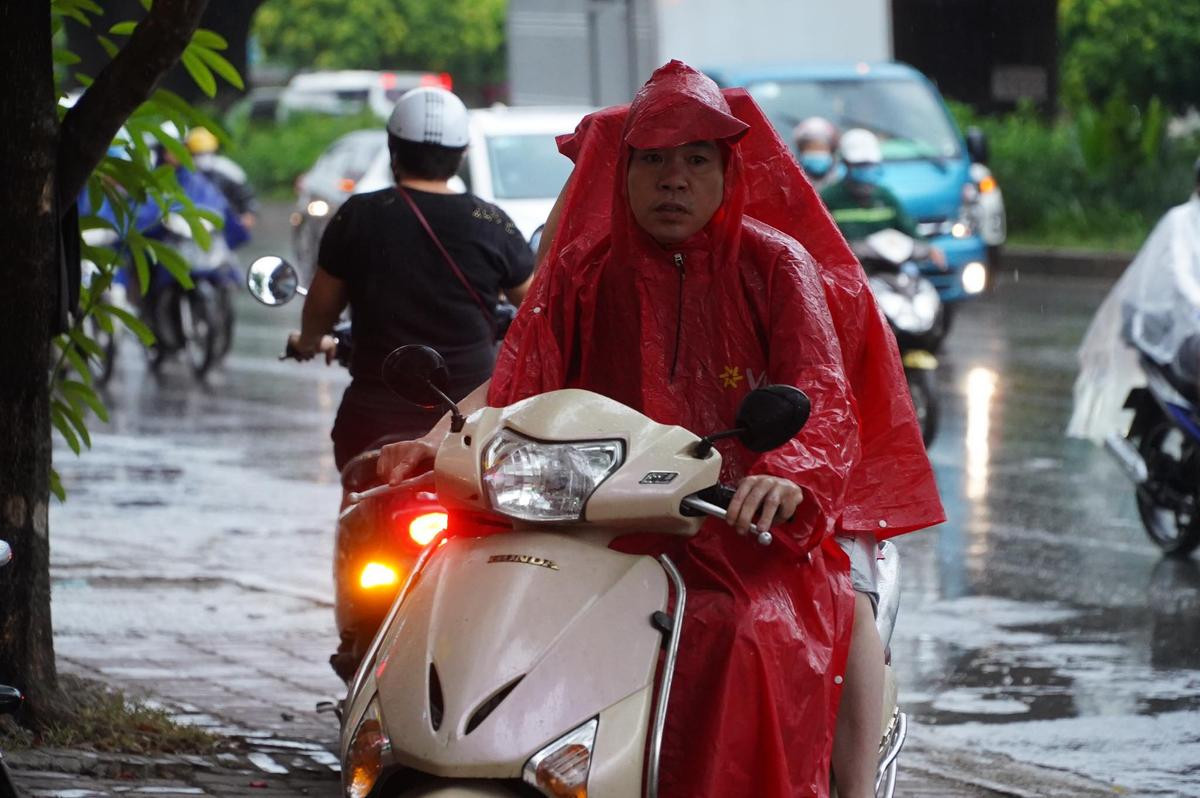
[(1167, 501)]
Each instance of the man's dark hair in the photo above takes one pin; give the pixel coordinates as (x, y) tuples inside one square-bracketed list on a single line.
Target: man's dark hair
[(424, 161)]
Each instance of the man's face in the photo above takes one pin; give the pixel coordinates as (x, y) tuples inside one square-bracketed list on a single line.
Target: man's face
[(674, 191)]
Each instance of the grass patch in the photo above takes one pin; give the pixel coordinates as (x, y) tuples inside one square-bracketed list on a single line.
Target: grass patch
[(100, 718)]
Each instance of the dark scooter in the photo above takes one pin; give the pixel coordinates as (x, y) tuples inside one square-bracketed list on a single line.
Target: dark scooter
[(1161, 451), (914, 310), (380, 533)]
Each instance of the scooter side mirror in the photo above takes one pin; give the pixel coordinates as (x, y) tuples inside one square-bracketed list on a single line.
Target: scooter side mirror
[(417, 374), (272, 280), (10, 700), (771, 416)]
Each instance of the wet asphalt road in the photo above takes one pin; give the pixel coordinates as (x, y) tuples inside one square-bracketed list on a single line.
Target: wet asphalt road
[(1039, 624)]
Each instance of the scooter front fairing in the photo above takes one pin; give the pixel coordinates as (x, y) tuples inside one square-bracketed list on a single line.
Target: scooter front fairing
[(513, 639)]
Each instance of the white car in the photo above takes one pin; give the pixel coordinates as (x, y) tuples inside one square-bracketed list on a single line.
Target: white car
[(512, 160), (349, 91)]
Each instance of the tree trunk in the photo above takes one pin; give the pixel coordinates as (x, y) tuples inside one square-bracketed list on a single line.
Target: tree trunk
[(29, 268)]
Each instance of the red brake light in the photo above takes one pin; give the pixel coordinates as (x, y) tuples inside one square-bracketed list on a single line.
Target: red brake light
[(426, 527), (388, 79), (441, 80)]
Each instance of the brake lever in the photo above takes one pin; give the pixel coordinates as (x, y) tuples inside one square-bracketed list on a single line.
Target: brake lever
[(764, 537), (415, 483)]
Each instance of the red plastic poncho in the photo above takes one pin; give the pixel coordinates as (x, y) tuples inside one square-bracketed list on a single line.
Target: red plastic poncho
[(766, 630)]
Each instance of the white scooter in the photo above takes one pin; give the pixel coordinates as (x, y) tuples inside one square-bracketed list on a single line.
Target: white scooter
[(522, 657)]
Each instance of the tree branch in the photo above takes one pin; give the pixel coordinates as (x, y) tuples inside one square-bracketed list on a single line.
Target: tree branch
[(132, 76)]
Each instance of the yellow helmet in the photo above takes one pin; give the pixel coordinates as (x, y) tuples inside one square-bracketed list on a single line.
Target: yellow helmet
[(201, 141)]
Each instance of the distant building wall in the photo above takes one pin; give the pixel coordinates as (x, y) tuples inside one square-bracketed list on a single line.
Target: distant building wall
[(989, 53)]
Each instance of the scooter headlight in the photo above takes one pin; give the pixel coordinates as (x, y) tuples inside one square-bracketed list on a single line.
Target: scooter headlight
[(537, 481), (364, 757), (560, 770)]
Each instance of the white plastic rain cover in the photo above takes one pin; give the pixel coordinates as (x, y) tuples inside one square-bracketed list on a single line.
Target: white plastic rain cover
[(1155, 306)]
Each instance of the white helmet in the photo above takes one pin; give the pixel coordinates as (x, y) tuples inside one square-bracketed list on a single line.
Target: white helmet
[(860, 146), (430, 115)]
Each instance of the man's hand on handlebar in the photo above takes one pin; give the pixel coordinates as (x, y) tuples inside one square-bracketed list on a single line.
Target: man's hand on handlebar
[(400, 461), (299, 349), (763, 500)]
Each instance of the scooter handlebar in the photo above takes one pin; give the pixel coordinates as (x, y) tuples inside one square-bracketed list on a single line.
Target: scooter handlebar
[(763, 536)]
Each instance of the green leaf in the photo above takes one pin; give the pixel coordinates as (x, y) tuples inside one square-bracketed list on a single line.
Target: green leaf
[(131, 322), (86, 344), (76, 360), (222, 67), (137, 248), (110, 47), (86, 394), (199, 72), (210, 39), (175, 146), (74, 419), (172, 261), (64, 427), (122, 28), (146, 4), (65, 57), (56, 486)]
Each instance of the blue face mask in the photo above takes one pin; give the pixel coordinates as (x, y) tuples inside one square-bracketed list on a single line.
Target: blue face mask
[(816, 164), (869, 173)]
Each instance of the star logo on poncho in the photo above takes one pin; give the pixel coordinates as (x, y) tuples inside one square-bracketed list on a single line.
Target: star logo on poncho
[(731, 377)]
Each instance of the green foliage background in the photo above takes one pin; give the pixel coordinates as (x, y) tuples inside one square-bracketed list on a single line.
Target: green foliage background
[(1141, 48), (462, 37)]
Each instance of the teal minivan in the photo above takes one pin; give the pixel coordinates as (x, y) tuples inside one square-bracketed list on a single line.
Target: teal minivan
[(939, 175)]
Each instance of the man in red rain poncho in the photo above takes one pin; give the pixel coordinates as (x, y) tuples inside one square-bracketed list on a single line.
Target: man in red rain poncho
[(672, 285)]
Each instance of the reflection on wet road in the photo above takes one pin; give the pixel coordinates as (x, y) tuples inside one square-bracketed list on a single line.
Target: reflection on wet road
[(1039, 621)]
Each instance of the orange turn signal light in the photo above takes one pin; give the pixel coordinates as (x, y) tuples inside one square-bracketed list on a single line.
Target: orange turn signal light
[(347, 185), (987, 184), (377, 574), (426, 527)]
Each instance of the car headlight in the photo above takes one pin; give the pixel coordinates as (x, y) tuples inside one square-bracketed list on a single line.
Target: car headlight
[(974, 277), (537, 481), (560, 770), (364, 757)]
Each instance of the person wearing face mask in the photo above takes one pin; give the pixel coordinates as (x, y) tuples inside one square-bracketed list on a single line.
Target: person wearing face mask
[(689, 260), (816, 142), (859, 203)]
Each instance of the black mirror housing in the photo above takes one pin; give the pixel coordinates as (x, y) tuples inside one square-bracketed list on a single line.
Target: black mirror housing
[(977, 145), (771, 416)]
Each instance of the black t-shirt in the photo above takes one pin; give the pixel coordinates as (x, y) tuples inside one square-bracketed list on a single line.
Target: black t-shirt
[(401, 289)]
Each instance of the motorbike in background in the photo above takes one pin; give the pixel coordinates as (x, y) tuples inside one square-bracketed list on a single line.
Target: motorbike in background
[(198, 321), (914, 311), (1161, 451), (10, 701), (380, 534), (524, 655)]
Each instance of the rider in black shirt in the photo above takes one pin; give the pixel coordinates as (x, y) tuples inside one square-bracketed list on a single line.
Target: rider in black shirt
[(377, 256)]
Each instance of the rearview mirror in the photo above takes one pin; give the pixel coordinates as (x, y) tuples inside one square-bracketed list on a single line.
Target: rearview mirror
[(977, 145), (272, 280), (417, 374), (771, 416), (5, 553)]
